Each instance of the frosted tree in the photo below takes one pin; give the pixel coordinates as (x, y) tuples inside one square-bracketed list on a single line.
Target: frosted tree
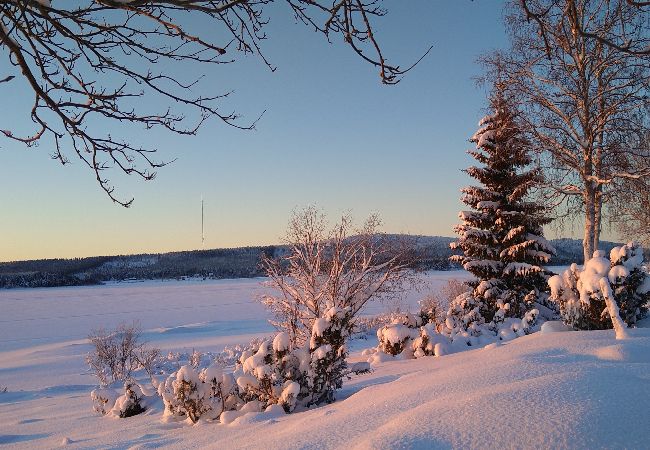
[(501, 237), (341, 268)]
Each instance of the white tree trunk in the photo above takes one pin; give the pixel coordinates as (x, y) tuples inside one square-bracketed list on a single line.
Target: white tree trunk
[(598, 217), (612, 308), (590, 224)]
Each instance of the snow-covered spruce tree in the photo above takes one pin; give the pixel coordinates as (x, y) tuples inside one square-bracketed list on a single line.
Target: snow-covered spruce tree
[(501, 237)]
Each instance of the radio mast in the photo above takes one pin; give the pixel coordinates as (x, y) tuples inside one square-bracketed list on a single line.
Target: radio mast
[(202, 228)]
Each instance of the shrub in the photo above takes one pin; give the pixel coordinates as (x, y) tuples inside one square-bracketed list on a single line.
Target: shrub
[(103, 400), (433, 308), (117, 354), (430, 342), (580, 295), (130, 403), (199, 395), (396, 337), (276, 374)]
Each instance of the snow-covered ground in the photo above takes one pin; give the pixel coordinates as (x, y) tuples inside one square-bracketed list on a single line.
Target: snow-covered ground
[(559, 390)]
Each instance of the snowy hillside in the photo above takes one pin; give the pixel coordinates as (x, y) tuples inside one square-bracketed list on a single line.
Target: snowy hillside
[(558, 390), (433, 254)]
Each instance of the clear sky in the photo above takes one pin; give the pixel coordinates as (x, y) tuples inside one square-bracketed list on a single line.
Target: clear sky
[(332, 135)]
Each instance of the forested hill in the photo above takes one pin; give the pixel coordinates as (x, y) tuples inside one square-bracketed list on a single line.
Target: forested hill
[(218, 263)]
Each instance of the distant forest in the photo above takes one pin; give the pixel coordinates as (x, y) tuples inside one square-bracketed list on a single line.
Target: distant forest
[(433, 254)]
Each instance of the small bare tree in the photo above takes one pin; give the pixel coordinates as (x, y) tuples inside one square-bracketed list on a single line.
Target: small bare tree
[(342, 268), (433, 307), (88, 62), (117, 354)]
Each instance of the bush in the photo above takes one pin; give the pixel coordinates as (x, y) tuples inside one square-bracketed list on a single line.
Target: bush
[(195, 395), (108, 401), (630, 282), (398, 336), (430, 342), (103, 400), (433, 308), (580, 296), (276, 374), (117, 354), (273, 374), (130, 403)]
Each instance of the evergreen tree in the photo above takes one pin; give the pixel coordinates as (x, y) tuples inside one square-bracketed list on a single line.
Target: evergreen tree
[(501, 237)]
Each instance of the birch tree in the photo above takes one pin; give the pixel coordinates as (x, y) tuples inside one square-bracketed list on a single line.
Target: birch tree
[(584, 102)]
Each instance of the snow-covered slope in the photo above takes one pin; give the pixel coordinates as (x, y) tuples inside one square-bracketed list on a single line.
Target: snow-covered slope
[(555, 390)]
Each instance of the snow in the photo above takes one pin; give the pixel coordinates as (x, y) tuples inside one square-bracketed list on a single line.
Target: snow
[(281, 342), (562, 389), (618, 273), (620, 328), (554, 326)]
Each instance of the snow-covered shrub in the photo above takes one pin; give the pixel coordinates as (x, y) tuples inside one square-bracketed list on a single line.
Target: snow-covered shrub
[(273, 374), (465, 314), (276, 374), (103, 399), (117, 354), (430, 342), (328, 351), (188, 393), (630, 282), (223, 391), (195, 358), (130, 403), (398, 336), (109, 401), (580, 293), (395, 338), (263, 372)]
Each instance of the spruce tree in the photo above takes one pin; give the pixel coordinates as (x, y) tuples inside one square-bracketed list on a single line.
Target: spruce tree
[(501, 237)]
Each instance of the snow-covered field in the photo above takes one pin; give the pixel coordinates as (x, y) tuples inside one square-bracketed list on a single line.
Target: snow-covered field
[(559, 390)]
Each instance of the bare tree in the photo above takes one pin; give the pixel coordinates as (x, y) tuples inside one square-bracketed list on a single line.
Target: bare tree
[(117, 354), (88, 63), (638, 45), (630, 210), (584, 103), (342, 268)]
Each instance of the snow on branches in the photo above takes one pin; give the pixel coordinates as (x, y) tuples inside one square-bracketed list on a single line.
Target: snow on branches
[(342, 268), (605, 292)]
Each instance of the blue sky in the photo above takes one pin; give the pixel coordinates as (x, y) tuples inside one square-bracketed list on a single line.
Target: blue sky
[(332, 135)]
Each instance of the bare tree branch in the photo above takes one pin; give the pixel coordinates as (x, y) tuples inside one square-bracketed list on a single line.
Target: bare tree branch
[(89, 63)]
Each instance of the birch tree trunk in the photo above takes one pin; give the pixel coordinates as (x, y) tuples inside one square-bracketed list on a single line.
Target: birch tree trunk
[(590, 223)]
